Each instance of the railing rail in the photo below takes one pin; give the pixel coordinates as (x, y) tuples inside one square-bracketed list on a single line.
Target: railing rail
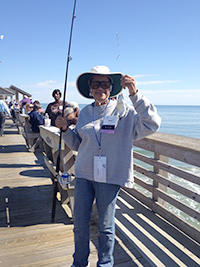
[(153, 180), (155, 192)]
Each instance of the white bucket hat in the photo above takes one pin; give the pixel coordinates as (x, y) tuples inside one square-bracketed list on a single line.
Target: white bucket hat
[(82, 81), (71, 108), (68, 111), (73, 105)]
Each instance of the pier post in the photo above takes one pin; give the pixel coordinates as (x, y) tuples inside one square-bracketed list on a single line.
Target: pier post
[(155, 183)]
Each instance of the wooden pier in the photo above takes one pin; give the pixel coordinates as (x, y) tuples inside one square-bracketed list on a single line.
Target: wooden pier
[(29, 239)]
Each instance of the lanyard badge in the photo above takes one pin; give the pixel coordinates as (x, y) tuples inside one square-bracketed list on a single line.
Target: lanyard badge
[(109, 124), (99, 140), (99, 161), (100, 169)]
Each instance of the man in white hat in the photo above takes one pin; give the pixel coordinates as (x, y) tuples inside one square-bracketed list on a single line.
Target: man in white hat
[(104, 137), (71, 114)]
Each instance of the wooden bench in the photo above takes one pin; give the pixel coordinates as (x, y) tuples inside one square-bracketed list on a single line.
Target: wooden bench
[(51, 136), (33, 140), (18, 122)]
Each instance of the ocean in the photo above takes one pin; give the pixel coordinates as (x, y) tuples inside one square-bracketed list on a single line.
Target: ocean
[(179, 120)]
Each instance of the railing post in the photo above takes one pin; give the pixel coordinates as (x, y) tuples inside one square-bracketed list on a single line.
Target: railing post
[(155, 183)]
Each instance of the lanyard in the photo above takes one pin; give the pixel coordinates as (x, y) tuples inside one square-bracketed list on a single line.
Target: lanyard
[(99, 140)]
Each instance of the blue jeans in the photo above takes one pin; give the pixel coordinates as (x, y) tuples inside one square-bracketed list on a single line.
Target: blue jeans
[(106, 195)]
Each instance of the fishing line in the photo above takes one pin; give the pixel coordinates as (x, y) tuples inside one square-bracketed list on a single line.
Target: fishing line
[(118, 58), (118, 45)]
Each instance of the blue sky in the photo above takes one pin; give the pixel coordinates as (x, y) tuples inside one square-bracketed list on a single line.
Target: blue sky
[(159, 43)]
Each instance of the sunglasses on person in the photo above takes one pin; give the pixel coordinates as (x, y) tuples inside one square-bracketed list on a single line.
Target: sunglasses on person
[(96, 84)]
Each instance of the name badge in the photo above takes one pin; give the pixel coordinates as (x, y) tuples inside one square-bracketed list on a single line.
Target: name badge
[(100, 169), (109, 124)]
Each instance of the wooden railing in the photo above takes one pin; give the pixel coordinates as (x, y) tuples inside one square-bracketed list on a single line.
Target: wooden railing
[(155, 192), (153, 183), (51, 136), (32, 139)]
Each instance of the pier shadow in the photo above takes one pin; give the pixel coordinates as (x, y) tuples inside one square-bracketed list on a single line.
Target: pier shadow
[(13, 148), (155, 238), (125, 254), (11, 130), (26, 206), (29, 206), (158, 240), (31, 169)]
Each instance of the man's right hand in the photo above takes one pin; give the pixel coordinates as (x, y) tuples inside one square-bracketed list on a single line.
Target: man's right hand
[(61, 123)]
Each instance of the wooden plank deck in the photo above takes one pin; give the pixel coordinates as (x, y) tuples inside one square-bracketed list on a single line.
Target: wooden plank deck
[(27, 236), (159, 242), (29, 239)]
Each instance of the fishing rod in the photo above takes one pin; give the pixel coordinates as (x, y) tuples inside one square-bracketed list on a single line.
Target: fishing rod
[(64, 96)]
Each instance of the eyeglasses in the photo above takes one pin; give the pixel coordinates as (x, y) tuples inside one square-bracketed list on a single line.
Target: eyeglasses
[(96, 84)]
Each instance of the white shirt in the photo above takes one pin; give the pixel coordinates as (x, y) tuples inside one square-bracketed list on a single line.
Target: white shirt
[(4, 107)]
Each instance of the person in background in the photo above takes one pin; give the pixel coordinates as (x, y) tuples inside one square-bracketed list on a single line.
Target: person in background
[(103, 137), (13, 112), (25, 100), (76, 108), (71, 114), (10, 104), (54, 109), (3, 110), (37, 102), (28, 108), (36, 118)]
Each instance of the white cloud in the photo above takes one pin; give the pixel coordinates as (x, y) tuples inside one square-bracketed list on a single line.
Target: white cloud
[(42, 91), (163, 96), (173, 96), (46, 84), (185, 92), (144, 75), (157, 82), (49, 84)]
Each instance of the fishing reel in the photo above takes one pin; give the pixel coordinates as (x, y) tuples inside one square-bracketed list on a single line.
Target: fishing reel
[(65, 179)]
